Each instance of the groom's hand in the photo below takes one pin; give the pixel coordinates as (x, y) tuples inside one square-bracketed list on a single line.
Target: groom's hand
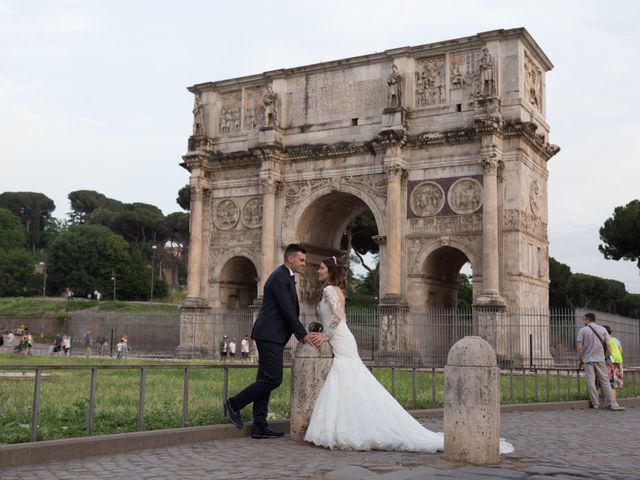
[(314, 338)]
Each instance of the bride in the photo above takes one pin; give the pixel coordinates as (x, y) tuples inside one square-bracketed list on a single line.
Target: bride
[(353, 411)]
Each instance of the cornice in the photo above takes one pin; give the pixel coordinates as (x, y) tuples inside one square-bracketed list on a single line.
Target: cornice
[(278, 153)]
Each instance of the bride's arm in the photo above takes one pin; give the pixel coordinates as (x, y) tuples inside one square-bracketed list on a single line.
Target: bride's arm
[(331, 296)]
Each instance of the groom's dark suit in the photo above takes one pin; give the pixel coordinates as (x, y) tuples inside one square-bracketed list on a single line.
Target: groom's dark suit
[(276, 322)]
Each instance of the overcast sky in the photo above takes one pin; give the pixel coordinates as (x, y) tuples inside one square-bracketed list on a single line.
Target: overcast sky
[(92, 93)]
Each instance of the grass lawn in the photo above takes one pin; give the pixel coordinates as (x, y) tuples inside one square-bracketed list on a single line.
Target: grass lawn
[(65, 393), (25, 307)]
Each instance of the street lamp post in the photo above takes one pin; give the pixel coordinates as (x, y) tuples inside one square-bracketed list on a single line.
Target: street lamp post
[(113, 279), (153, 263), (43, 266)]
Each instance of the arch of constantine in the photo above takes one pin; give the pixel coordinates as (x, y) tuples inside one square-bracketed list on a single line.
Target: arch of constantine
[(445, 144)]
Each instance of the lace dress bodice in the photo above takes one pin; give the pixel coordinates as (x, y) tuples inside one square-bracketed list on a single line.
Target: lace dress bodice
[(331, 310)]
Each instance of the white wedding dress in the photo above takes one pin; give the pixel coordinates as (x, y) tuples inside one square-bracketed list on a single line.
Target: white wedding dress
[(355, 412)]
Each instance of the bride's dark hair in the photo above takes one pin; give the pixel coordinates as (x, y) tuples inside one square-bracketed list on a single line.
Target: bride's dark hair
[(337, 272)]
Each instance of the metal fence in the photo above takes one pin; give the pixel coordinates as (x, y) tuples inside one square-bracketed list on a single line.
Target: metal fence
[(525, 338), (517, 386)]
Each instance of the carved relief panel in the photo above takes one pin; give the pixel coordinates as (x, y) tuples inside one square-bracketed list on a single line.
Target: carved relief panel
[(252, 213), (229, 115), (532, 82), (465, 196), (226, 214), (534, 197), (427, 199), (296, 191), (252, 108), (430, 82), (463, 72), (445, 197)]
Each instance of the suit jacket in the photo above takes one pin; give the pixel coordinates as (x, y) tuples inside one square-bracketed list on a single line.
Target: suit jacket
[(278, 317)]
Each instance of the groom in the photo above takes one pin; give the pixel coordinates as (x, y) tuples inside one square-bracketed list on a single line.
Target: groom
[(276, 322)]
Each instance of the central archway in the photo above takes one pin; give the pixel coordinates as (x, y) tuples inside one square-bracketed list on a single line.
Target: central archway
[(321, 228)]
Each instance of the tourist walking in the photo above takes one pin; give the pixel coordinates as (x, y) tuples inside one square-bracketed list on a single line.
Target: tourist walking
[(57, 345), (122, 348), (87, 344), (616, 371), (244, 348), (232, 349), (592, 346), (66, 345), (224, 347), (29, 340)]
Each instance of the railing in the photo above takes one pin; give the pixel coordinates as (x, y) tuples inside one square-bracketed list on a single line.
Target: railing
[(524, 338), (517, 386)]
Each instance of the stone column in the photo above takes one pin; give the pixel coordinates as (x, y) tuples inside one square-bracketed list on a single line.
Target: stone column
[(472, 403), (396, 175), (268, 245), (490, 157), (308, 373), (194, 278)]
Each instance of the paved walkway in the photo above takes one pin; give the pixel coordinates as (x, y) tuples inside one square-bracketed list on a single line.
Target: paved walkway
[(548, 445)]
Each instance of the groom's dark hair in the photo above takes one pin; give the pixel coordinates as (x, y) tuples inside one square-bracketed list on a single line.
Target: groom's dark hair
[(293, 248)]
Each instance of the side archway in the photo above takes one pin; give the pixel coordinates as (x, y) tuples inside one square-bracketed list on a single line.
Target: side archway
[(437, 266), (238, 283)]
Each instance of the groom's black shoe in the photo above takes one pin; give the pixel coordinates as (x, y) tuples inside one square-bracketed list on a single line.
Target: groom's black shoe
[(233, 414), (265, 432)]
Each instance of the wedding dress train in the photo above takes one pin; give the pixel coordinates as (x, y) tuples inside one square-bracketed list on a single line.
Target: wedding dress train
[(353, 410)]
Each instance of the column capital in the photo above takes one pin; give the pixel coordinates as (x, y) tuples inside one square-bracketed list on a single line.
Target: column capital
[(492, 166), (197, 188), (270, 184), (491, 156), (396, 173)]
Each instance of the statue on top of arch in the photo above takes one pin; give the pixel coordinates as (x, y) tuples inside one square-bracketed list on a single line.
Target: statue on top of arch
[(394, 84), (269, 108)]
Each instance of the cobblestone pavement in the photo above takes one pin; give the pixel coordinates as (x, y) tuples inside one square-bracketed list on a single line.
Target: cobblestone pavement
[(548, 445)]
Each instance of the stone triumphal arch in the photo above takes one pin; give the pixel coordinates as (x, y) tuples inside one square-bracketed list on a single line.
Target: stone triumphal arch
[(445, 144)]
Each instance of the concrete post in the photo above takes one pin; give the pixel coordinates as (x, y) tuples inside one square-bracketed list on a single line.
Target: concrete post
[(308, 373), (472, 403)]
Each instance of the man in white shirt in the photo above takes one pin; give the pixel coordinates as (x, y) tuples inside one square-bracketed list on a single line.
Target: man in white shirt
[(592, 349)]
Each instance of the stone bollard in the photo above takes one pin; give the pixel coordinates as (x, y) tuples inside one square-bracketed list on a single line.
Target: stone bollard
[(472, 403), (308, 373)]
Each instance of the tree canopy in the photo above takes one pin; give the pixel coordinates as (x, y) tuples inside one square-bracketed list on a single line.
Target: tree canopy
[(578, 290), (34, 209), (16, 272), (621, 233), (85, 202), (184, 197), (137, 223), (12, 231), (84, 257)]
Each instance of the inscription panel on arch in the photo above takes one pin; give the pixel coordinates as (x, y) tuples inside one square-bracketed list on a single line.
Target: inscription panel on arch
[(330, 97)]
